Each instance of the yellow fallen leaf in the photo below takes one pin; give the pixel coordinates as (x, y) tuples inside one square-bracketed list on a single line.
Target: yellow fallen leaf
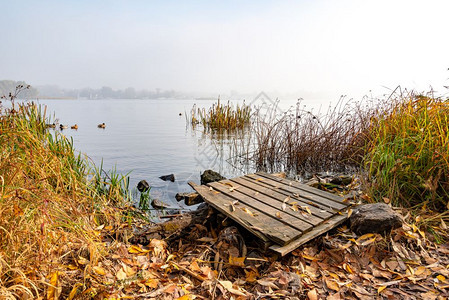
[(99, 270), (186, 297), (367, 242), (365, 236), (152, 283), (237, 261), (306, 208), (349, 213), (247, 211), (441, 278), (312, 258), (54, 289), (74, 291), (278, 215), (348, 268), (380, 289), (137, 250), (121, 275), (386, 200)]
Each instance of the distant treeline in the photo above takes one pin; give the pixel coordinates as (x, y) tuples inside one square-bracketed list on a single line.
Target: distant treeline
[(105, 92), (9, 86), (53, 91)]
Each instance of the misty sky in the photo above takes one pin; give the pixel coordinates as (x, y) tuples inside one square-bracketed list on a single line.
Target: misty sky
[(306, 48)]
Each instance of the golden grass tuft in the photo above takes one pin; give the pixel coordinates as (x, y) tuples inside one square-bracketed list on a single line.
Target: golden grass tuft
[(408, 153), (51, 203), (222, 116)]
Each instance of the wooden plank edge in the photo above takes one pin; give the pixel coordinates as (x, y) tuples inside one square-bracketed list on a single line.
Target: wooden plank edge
[(199, 188), (317, 231)]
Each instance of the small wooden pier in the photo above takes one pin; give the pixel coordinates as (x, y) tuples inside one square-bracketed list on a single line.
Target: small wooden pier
[(283, 213)]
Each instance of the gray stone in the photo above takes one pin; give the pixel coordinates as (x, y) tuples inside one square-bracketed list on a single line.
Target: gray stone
[(374, 218), (210, 176)]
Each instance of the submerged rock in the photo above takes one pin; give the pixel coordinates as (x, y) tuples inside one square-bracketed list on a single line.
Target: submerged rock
[(210, 176), (374, 218), (170, 177), (143, 186), (157, 204)]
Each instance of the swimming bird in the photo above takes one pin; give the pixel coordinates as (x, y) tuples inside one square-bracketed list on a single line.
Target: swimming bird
[(63, 126), (74, 126), (102, 125)]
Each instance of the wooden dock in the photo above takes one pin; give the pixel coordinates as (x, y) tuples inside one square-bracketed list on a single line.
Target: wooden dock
[(283, 213)]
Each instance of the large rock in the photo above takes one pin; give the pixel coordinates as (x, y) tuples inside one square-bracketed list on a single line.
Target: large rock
[(374, 218), (210, 176), (189, 198)]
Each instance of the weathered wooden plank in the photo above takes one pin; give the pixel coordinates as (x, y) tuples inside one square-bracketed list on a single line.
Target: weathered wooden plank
[(265, 205), (317, 210), (320, 229), (331, 205), (305, 187), (262, 226), (313, 200)]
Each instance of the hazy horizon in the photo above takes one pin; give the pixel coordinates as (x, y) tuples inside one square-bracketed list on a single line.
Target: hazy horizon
[(317, 49)]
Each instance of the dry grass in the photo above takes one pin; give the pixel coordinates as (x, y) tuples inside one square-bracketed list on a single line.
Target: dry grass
[(49, 208), (299, 141), (221, 116), (401, 144)]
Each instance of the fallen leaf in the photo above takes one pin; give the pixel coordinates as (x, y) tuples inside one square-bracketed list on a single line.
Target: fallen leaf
[(312, 295), (332, 284), (194, 266), (380, 289), (349, 213), (278, 215), (386, 200), (247, 211), (137, 250), (54, 289), (267, 283), (206, 239), (152, 283), (367, 242), (443, 225), (228, 286), (251, 276), (237, 261), (121, 275), (99, 270), (306, 208)]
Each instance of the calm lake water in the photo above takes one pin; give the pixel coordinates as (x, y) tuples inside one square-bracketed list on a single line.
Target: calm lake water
[(147, 139)]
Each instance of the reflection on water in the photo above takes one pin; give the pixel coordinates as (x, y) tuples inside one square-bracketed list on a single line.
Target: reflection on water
[(147, 139)]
